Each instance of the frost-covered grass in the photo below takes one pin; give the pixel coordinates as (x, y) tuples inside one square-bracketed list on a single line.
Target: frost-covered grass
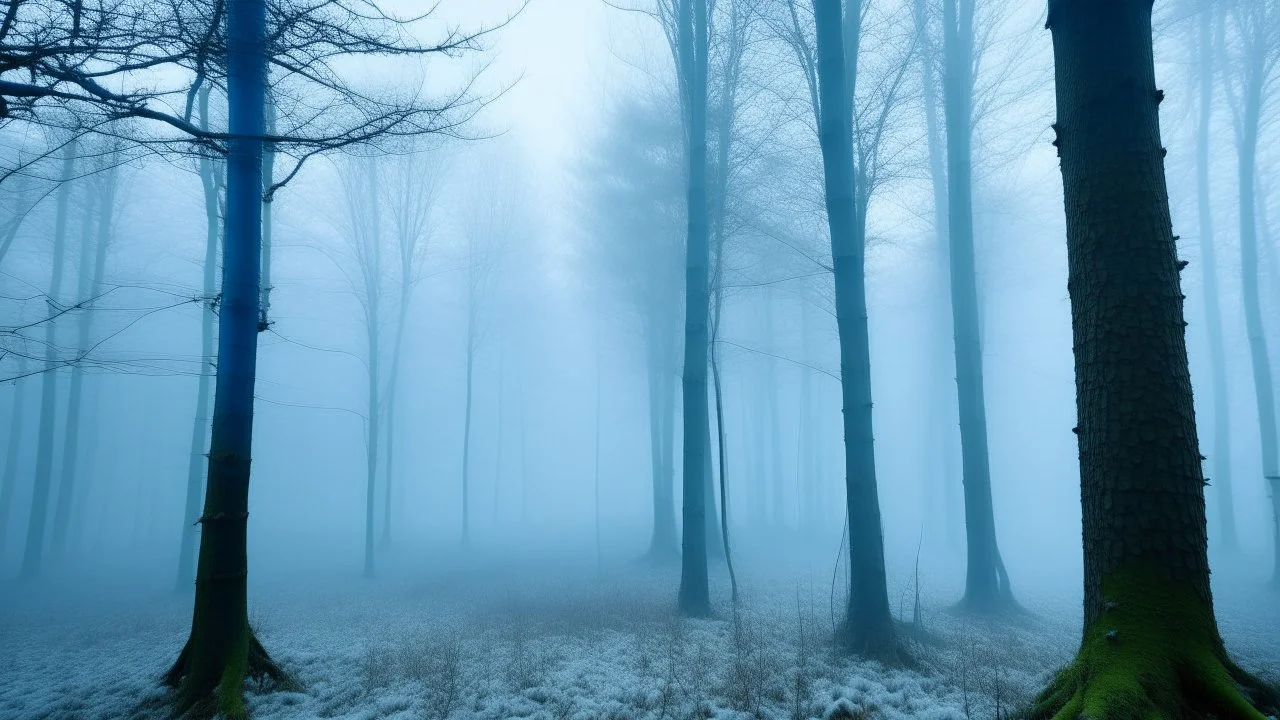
[(484, 639)]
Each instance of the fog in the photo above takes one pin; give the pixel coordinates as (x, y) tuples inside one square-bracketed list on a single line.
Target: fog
[(498, 311)]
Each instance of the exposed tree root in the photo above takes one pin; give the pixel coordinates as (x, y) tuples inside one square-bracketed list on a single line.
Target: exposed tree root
[(201, 694), (1153, 654)]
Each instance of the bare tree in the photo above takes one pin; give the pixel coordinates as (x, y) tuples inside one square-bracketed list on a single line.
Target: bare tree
[(490, 221), (412, 183), (94, 243)]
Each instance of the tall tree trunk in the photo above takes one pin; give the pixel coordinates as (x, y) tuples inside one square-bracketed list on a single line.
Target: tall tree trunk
[(371, 269), (211, 181), (13, 451), (944, 503), (1213, 312), (1247, 151), (374, 434), (695, 595), (868, 626), (721, 441), (777, 485), (466, 428), (1150, 645), (222, 650), (986, 588), (663, 544), (33, 555), (93, 264), (595, 483)]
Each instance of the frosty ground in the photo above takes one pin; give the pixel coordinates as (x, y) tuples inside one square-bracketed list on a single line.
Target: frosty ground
[(478, 637)]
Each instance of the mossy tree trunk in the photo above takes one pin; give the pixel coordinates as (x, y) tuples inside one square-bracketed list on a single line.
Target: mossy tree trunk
[(221, 650), (868, 627), (1150, 646)]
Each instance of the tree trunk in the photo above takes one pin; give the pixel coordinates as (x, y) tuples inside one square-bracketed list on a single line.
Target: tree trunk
[(93, 263), (371, 440), (466, 430), (222, 650), (1150, 645), (10, 478), (211, 180), (33, 554), (777, 485), (371, 270), (695, 595), (868, 626), (1213, 312), (663, 545), (986, 588)]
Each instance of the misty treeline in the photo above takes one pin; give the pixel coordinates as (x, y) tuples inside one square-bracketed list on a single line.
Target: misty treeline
[(765, 194)]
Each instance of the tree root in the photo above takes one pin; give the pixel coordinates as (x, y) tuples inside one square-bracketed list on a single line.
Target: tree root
[(1153, 653), (204, 695)]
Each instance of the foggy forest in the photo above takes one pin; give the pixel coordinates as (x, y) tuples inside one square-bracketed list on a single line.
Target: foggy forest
[(639, 359)]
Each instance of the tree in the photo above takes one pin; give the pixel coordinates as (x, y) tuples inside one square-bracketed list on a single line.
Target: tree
[(695, 595), (364, 240), (490, 221), (1150, 646), (412, 186), (868, 626), (95, 239), (633, 182), (33, 554), (1248, 83), (1205, 71), (212, 182), (986, 583)]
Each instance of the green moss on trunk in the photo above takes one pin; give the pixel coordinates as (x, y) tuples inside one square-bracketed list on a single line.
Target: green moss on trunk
[(1152, 652)]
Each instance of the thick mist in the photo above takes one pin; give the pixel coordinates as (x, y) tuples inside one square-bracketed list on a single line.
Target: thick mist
[(469, 454)]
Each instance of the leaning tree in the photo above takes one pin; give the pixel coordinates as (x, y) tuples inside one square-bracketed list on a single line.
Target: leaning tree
[(1151, 646)]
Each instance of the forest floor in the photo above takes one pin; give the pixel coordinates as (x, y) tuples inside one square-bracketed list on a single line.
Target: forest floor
[(482, 639)]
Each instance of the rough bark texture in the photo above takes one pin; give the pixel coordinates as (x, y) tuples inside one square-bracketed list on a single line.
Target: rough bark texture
[(221, 650), (33, 554), (868, 626), (695, 595), (986, 587), (1151, 646)]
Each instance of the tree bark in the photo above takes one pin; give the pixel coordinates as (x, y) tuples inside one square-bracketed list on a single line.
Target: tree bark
[(33, 554), (868, 627), (222, 650), (1150, 646)]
